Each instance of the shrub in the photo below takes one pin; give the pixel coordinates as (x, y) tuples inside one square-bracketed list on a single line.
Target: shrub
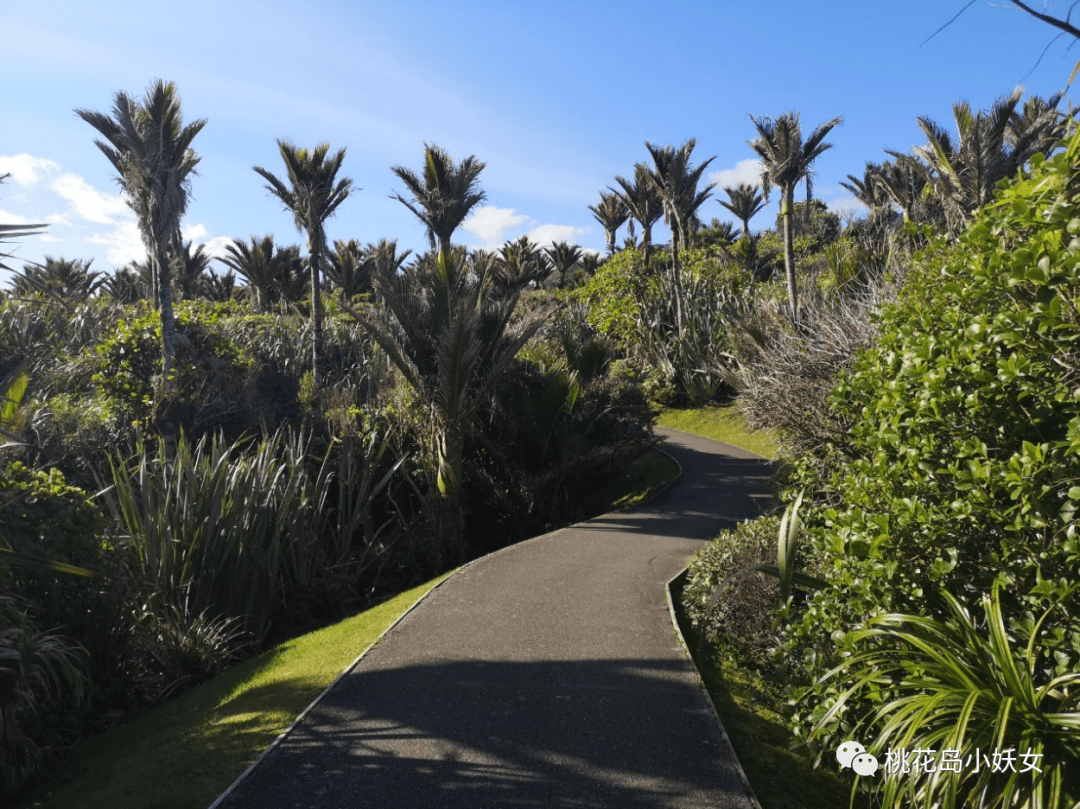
[(963, 444), (784, 376), (741, 620), (41, 676)]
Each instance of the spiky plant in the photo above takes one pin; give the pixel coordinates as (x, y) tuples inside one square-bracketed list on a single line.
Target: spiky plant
[(744, 201)]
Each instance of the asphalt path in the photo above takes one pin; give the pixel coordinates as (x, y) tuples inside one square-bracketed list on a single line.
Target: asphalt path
[(547, 674)]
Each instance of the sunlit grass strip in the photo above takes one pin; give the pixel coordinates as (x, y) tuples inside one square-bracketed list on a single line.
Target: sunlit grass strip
[(184, 754), (721, 424)]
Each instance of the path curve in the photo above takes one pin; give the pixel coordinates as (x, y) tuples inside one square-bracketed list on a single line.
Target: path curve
[(544, 675)]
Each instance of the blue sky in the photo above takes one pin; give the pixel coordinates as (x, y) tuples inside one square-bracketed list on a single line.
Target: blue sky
[(555, 97)]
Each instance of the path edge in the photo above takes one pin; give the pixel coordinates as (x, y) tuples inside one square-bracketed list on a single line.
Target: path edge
[(356, 661), (750, 794)]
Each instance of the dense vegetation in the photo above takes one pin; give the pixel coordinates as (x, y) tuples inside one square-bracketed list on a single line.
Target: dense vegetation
[(934, 606), (272, 455)]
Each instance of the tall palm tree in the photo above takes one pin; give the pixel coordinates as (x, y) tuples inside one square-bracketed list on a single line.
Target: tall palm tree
[(786, 160), (443, 195), (312, 195), (562, 258), (744, 202), (150, 148), (675, 180), (611, 213), (643, 202)]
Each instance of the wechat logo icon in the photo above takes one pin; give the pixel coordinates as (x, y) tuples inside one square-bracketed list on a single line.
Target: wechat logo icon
[(854, 755)]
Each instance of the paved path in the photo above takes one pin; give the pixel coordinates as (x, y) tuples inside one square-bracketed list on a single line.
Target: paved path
[(544, 675)]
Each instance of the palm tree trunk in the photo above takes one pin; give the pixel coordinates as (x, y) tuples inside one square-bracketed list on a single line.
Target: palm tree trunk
[(315, 250), (786, 212), (168, 322), (677, 237), (166, 421)]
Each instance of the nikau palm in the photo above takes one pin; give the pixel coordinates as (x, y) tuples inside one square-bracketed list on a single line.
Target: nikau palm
[(676, 181), (643, 203), (786, 160), (313, 194), (744, 202), (443, 194), (150, 148), (611, 213), (447, 325)]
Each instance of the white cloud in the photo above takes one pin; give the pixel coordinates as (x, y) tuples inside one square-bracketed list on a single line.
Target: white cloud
[(123, 244), (13, 219), (216, 246), (746, 171), (92, 204), (25, 169), (59, 219), (547, 235), (489, 224)]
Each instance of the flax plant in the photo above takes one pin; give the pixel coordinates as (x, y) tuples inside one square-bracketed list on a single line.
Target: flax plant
[(960, 686), (238, 530)]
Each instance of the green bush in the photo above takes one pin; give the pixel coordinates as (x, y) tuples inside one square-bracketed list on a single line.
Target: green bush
[(741, 620), (963, 459), (41, 515), (42, 676)]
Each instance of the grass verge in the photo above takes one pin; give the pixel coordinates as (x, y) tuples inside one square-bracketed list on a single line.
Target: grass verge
[(752, 713), (187, 752), (721, 423)]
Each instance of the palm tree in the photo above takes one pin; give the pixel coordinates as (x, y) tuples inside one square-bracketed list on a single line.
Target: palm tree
[(786, 160), (64, 278), (448, 329), (562, 258), (348, 268), (676, 181), (150, 148), (744, 202), (312, 196), (643, 203), (611, 213), (126, 285), (188, 267), (385, 255), (444, 195), (268, 270), (989, 146), (220, 288), (9, 232)]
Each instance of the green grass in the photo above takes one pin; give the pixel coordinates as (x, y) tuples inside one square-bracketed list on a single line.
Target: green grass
[(185, 753), (721, 423)]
